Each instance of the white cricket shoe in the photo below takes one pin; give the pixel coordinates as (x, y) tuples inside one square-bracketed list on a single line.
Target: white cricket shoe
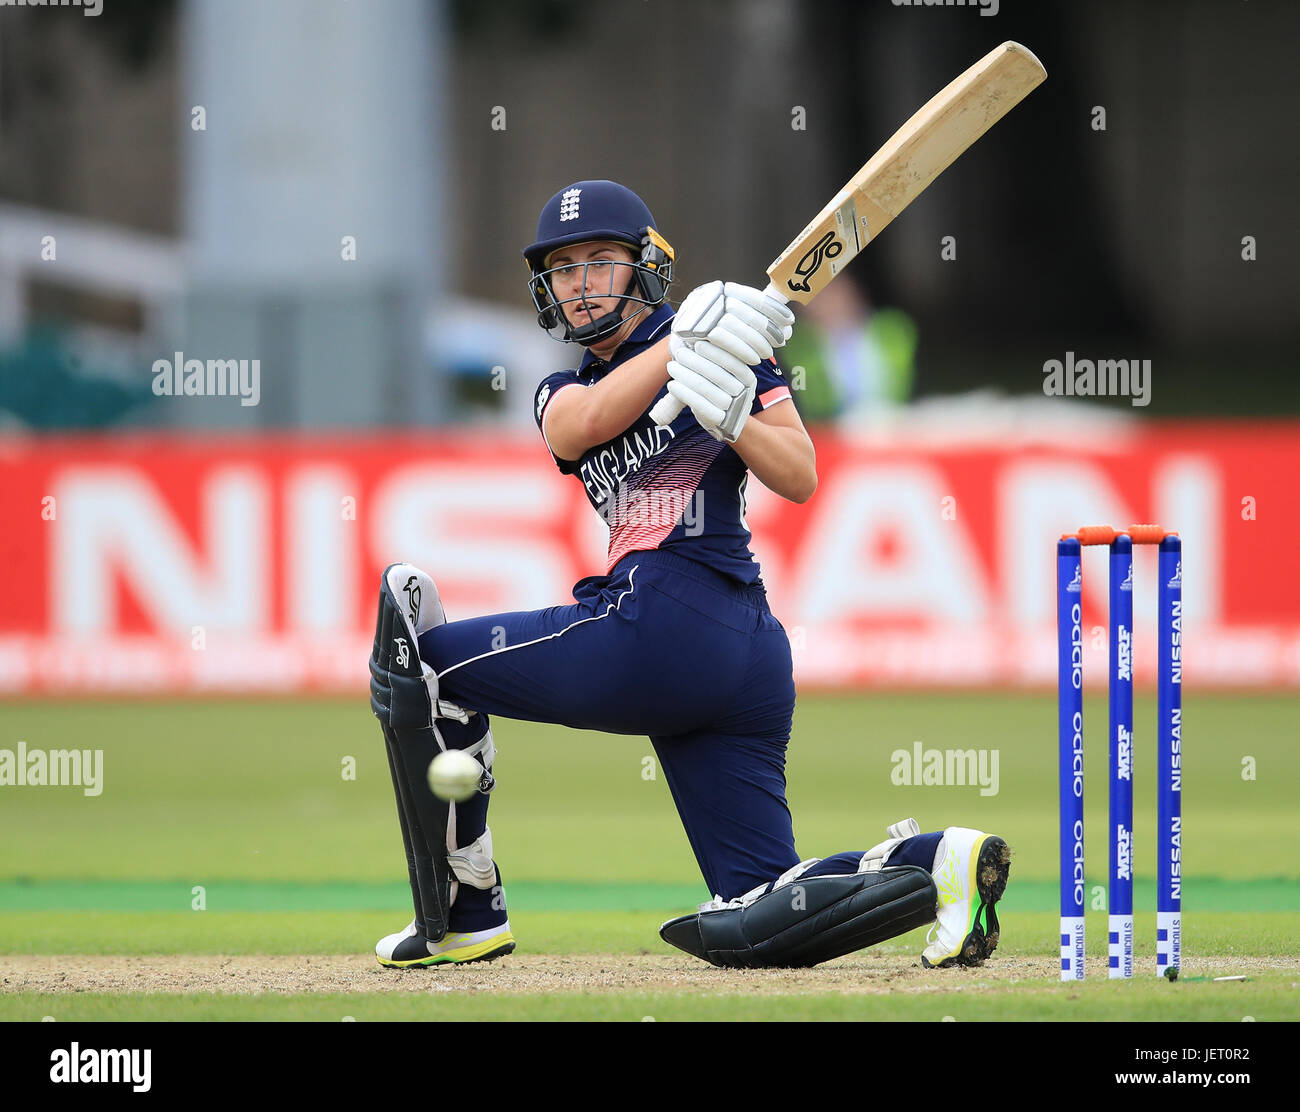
[(970, 871), (409, 947)]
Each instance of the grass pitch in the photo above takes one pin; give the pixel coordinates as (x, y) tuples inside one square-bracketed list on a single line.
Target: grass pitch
[(243, 857)]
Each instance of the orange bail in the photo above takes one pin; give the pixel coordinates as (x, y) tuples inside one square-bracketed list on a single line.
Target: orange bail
[(1106, 534)]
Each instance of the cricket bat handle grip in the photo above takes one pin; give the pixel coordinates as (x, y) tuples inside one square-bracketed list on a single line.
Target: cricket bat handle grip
[(668, 409)]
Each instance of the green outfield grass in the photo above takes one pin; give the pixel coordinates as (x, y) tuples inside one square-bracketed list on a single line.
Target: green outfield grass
[(1227, 933), (1266, 999), (246, 802)]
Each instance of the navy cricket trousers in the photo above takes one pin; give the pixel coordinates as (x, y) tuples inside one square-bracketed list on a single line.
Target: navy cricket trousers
[(669, 648)]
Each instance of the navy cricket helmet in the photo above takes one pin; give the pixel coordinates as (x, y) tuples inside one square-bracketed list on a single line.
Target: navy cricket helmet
[(591, 210)]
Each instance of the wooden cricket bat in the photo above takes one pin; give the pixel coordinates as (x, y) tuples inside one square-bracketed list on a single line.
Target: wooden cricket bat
[(895, 176)]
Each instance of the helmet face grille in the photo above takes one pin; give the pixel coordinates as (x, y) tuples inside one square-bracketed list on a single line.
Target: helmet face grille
[(588, 211), (642, 283)]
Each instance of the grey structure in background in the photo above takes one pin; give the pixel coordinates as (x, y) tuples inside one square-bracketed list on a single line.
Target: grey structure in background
[(322, 122)]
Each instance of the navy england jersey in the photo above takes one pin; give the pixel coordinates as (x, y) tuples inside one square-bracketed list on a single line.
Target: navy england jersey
[(673, 487)]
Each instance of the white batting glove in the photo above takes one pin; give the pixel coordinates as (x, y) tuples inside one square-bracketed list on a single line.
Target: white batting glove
[(777, 313), (739, 319), (716, 385)]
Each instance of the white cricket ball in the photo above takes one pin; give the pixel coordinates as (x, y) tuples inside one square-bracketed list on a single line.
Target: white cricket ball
[(454, 775)]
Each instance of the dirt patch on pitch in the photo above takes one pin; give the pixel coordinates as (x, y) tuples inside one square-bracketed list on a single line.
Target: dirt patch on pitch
[(875, 973)]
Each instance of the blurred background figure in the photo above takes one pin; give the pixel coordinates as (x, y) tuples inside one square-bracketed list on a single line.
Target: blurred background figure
[(856, 360)]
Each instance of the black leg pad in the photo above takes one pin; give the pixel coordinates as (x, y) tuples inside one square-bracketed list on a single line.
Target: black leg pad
[(400, 699), (806, 922)]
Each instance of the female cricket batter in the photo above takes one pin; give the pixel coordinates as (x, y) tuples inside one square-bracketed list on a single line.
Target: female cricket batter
[(674, 640)]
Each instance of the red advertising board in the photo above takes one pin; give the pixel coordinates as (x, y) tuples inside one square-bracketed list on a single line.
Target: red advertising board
[(187, 564)]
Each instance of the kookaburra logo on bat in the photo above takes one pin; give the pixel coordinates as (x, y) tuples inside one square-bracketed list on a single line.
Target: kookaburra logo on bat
[(825, 248)]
